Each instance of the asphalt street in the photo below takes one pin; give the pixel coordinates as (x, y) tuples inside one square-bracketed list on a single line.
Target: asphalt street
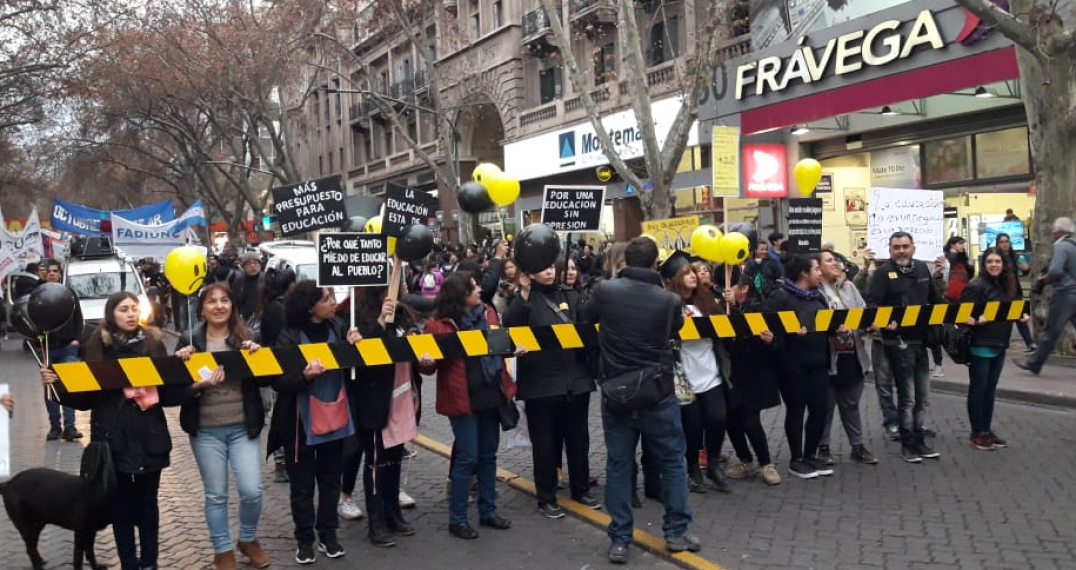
[(1008, 509)]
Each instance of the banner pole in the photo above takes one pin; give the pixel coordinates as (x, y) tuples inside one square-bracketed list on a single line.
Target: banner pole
[(351, 295)]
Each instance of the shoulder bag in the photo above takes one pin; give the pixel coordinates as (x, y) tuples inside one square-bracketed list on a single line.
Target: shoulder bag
[(327, 417), (639, 388)]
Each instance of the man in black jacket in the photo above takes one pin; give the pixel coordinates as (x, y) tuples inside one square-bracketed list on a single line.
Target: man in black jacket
[(638, 317), (902, 282), (63, 347)]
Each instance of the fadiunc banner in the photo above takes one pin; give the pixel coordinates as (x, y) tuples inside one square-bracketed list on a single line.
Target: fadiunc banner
[(156, 241), (76, 219)]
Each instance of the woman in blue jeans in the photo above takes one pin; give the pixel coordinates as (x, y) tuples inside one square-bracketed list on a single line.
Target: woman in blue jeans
[(225, 421), (989, 340), (469, 391)]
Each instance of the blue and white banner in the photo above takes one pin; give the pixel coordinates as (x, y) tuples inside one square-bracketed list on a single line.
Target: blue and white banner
[(76, 219), (157, 240), (27, 245)]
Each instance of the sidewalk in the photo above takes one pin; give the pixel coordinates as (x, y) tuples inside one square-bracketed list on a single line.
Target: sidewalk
[(1054, 386)]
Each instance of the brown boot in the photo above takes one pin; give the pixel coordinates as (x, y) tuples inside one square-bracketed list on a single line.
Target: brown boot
[(224, 560), (254, 553)]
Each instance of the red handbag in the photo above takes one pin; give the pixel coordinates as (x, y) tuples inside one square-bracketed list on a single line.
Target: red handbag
[(327, 417)]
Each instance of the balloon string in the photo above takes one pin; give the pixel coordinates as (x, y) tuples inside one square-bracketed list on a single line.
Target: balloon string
[(728, 285), (50, 390)]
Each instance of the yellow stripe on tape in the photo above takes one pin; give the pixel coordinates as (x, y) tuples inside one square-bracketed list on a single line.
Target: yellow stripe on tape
[(757, 322), (1016, 311), (937, 314), (524, 337), (689, 331), (262, 362), (790, 321), (373, 352), (911, 316), (197, 361), (991, 311), (425, 344), (881, 319), (567, 336), (855, 316), (474, 343), (964, 313), (320, 351), (76, 377), (141, 372), (723, 326), (822, 320)]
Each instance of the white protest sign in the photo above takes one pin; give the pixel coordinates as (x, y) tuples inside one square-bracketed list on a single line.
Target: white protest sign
[(921, 213), (5, 438), (26, 245)]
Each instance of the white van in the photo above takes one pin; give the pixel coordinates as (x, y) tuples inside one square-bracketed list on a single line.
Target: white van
[(95, 271)]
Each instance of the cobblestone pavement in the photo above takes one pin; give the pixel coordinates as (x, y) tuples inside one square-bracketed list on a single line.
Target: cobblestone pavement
[(533, 542)]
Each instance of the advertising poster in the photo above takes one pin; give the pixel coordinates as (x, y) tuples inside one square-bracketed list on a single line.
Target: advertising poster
[(726, 162), (896, 167), (672, 233), (855, 206), (774, 21)]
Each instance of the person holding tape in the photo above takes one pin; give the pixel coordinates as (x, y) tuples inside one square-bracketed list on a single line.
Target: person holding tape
[(225, 421), (989, 340), (133, 423), (901, 282), (311, 420), (556, 387)]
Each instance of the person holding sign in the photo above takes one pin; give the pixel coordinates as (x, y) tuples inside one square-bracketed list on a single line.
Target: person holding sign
[(311, 419), (556, 387), (901, 282)]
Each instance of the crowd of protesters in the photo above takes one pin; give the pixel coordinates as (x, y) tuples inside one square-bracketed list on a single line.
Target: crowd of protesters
[(711, 388)]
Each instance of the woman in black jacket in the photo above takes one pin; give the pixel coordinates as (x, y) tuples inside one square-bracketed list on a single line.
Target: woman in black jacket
[(132, 421), (989, 340), (225, 421), (1015, 267), (313, 459), (804, 377), (373, 394), (555, 386)]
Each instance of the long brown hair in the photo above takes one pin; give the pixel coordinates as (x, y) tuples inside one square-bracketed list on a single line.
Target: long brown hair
[(236, 327), (701, 297), (107, 330), (1007, 278)]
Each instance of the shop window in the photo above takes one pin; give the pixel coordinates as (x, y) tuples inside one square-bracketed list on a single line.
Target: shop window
[(549, 85), (947, 160), (1001, 154), (604, 63), (664, 41), (498, 14), (331, 167)]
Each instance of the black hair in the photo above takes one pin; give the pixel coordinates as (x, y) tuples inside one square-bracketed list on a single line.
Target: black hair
[(796, 265), (901, 235), (641, 252), (299, 300), (953, 241), (451, 301)]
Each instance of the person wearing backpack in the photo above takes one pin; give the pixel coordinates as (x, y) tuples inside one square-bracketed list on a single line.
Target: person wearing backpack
[(1062, 304)]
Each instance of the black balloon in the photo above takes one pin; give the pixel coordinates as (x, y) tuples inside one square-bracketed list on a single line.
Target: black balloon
[(415, 243), (20, 320), (536, 248), (354, 224), (474, 198), (51, 306)]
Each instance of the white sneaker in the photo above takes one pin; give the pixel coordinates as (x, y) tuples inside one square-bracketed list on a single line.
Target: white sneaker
[(347, 509), (406, 502), (939, 372), (410, 452)]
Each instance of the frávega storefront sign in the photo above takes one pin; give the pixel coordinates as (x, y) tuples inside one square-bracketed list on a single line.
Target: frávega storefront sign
[(886, 42), (578, 147)]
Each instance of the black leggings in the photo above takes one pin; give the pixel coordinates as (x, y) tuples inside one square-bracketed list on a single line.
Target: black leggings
[(745, 425), (352, 463), (807, 391), (705, 416)]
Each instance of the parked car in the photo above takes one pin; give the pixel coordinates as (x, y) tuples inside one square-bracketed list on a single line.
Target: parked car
[(301, 256), (94, 271)]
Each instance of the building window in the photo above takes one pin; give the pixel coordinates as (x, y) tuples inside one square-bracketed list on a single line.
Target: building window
[(343, 165), (332, 167), (664, 41), (549, 85), (412, 129), (356, 148), (369, 147), (388, 141), (321, 165), (476, 26), (498, 14), (604, 64)]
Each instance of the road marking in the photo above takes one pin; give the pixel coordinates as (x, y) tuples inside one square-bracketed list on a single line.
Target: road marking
[(654, 544)]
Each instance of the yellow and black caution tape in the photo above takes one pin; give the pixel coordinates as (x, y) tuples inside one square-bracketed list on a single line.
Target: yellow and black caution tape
[(145, 371)]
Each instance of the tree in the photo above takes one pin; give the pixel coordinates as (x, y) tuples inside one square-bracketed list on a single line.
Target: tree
[(1044, 32), (660, 161)]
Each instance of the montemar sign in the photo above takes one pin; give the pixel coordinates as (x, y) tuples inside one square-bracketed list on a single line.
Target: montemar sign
[(886, 42)]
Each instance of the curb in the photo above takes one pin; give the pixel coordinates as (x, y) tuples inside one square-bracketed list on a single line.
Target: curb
[(649, 542), (1051, 399)]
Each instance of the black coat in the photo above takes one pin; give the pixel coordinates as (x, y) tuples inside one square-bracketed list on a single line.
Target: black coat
[(253, 407), (548, 373), (994, 334), (890, 287), (637, 317), (754, 368), (811, 349), (139, 440), (370, 395), (283, 425)]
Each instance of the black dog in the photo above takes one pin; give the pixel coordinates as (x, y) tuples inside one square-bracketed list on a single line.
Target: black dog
[(37, 497)]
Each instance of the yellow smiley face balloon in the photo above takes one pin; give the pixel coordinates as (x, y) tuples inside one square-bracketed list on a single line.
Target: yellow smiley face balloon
[(185, 269)]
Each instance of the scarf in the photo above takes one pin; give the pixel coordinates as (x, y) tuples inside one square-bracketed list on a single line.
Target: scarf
[(805, 294), (491, 365)]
